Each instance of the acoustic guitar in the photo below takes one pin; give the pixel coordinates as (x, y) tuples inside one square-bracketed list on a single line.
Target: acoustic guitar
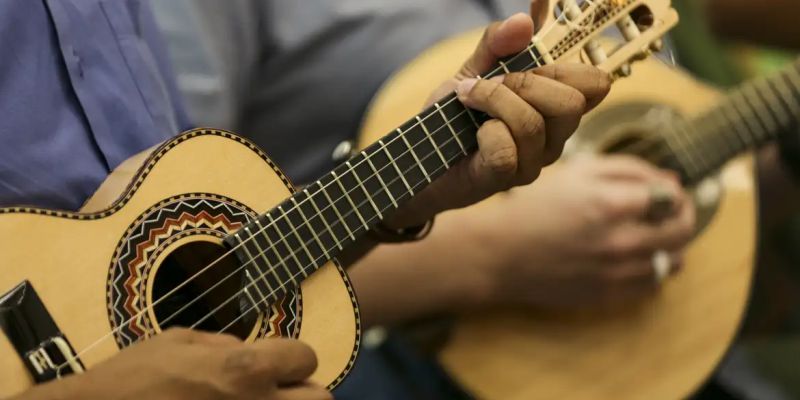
[(667, 346), (206, 232)]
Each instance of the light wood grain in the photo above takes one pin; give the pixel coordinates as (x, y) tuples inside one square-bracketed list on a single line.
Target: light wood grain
[(67, 259), (661, 349)]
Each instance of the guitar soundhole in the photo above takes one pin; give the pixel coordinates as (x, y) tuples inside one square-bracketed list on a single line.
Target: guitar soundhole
[(188, 294)]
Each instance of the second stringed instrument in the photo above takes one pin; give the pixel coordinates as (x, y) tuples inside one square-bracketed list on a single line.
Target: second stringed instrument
[(664, 348)]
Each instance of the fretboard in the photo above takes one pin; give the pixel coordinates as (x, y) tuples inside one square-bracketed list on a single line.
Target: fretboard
[(750, 116), (282, 247)]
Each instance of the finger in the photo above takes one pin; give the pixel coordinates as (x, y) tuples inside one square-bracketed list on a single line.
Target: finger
[(539, 10), (627, 167), (560, 104), (638, 237), (494, 166), (188, 336), (303, 391), (632, 199), (671, 233), (268, 363), (500, 39), (297, 360), (524, 122), (550, 97), (593, 83)]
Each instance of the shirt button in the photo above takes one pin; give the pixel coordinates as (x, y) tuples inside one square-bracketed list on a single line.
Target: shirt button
[(78, 63)]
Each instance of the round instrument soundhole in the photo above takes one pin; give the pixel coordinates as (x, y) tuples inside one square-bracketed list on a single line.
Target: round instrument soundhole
[(198, 285)]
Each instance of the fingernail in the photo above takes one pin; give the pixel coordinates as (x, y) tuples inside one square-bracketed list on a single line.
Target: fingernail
[(465, 86), (498, 78)]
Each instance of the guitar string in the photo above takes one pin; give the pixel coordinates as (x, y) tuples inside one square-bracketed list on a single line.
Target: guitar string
[(445, 125), (528, 50), (643, 147), (281, 287), (239, 292)]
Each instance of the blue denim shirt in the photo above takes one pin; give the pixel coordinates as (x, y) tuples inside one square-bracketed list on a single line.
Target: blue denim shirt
[(84, 85)]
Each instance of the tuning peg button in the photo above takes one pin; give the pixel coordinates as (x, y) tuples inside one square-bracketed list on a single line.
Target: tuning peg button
[(657, 45), (624, 70)]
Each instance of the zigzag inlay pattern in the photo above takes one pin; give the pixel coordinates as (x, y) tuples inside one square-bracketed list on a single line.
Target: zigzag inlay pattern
[(146, 240)]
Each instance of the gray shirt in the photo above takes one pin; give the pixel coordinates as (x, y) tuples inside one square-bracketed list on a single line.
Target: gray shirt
[(296, 76)]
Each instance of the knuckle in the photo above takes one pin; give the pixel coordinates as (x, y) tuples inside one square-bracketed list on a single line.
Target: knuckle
[(604, 82), (493, 92), (573, 103), (181, 334), (553, 153), (502, 160), (621, 246), (245, 362), (532, 124)]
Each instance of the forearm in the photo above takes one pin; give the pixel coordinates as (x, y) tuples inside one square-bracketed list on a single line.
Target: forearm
[(445, 272), (771, 22)]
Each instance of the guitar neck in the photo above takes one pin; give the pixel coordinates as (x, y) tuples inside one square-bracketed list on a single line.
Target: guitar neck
[(288, 243), (749, 117), (315, 224)]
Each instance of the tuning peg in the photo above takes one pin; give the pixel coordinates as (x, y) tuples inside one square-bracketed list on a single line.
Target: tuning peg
[(657, 45), (642, 55), (624, 70)]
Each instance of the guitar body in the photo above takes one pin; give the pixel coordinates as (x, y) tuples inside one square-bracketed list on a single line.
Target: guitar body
[(663, 348), (95, 269)]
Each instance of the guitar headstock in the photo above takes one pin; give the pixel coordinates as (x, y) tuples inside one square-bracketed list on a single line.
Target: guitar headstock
[(573, 28)]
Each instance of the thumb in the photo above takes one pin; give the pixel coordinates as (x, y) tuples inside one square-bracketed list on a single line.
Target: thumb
[(539, 11), (499, 40)]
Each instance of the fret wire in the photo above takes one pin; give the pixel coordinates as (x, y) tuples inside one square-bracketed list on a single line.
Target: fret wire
[(281, 261), (322, 187), (414, 154), (348, 198), (504, 66), (311, 228), (472, 117), (748, 116), (296, 234), (435, 146), (336, 209), (325, 220), (364, 189), (227, 326), (761, 86), (262, 254), (719, 125), (684, 153), (95, 343), (250, 256), (380, 179), (325, 193), (786, 95), (285, 242), (756, 103), (793, 79), (450, 126), (253, 283), (246, 291), (394, 163), (736, 126)]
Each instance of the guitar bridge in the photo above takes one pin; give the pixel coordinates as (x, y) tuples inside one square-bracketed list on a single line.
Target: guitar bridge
[(35, 336)]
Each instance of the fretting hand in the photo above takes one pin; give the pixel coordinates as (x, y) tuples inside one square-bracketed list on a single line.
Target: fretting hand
[(533, 114)]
